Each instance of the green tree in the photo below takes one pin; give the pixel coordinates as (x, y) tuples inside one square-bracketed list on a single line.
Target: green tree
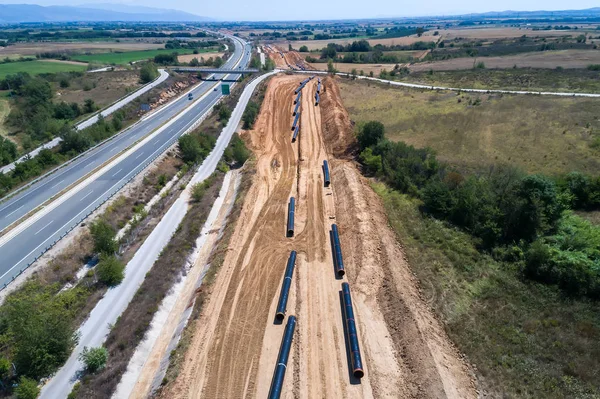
[(103, 235), (303, 49), (94, 358), (330, 68), (89, 106), (419, 31), (218, 62), (189, 149), (224, 113), (4, 368), (370, 134), (250, 114), (110, 270), (8, 151), (27, 389), (194, 62), (40, 326), (148, 73)]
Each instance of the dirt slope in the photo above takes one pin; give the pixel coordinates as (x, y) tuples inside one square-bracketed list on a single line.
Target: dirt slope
[(233, 352)]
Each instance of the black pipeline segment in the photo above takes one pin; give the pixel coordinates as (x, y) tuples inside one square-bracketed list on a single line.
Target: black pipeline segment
[(285, 287), (319, 86), (296, 109), (290, 223), (352, 336), (339, 260), (296, 131), (317, 99), (296, 118), (299, 89), (298, 98), (282, 359), (326, 173)]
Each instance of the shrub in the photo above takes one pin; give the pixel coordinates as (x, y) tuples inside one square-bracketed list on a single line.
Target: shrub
[(103, 235), (27, 389), (569, 259), (94, 358), (110, 270), (250, 114), (189, 149), (148, 73), (370, 134)]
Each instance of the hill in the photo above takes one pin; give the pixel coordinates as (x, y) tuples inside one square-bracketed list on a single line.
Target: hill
[(14, 13)]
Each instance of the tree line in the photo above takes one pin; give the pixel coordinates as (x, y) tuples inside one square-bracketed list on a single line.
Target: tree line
[(523, 219)]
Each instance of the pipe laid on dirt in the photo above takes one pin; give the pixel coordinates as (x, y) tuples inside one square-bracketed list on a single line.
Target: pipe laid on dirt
[(351, 334), (326, 173), (339, 260), (304, 81), (296, 131), (290, 223), (298, 98), (296, 109), (296, 121), (299, 89), (284, 353), (285, 287), (319, 85), (317, 99)]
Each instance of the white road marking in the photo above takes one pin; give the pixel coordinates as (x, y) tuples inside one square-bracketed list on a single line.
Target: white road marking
[(139, 155), (49, 223), (85, 196), (14, 211), (58, 183), (114, 149), (117, 172)]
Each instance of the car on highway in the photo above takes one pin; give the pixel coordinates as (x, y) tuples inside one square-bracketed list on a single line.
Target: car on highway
[(190, 96)]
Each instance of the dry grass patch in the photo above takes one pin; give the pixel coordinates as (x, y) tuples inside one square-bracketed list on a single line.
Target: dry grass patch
[(539, 134)]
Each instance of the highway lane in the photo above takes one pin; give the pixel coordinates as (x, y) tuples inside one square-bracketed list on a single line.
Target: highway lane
[(29, 243), (94, 330), (24, 202)]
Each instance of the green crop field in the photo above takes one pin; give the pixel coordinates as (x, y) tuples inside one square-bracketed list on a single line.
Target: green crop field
[(130, 56), (37, 67)]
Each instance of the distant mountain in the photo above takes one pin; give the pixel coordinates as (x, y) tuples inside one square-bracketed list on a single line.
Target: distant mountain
[(587, 13), (14, 13)]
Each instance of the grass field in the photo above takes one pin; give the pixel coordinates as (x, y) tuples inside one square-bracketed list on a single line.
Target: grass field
[(129, 56), (537, 59), (526, 339), (37, 67), (538, 134), (566, 80)]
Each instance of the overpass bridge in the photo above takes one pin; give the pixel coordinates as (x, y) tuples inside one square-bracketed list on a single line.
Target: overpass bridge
[(215, 70)]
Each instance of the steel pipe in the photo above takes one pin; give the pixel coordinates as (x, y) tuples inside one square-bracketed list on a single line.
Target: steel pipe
[(285, 287), (339, 260), (299, 89), (326, 173), (290, 223), (296, 131), (317, 99), (296, 109), (282, 359), (296, 121), (319, 85), (298, 98), (351, 333)]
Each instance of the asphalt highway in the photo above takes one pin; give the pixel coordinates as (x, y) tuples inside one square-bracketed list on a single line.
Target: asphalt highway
[(19, 249)]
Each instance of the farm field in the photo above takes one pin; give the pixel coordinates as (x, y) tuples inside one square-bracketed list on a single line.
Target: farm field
[(559, 80), (537, 59), (505, 32), (25, 49), (500, 129), (319, 44), (38, 67), (128, 56), (347, 68)]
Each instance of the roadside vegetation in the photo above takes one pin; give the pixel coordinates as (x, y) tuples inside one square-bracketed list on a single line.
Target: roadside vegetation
[(502, 257)]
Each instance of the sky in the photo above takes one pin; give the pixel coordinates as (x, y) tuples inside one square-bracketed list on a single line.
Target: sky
[(272, 10)]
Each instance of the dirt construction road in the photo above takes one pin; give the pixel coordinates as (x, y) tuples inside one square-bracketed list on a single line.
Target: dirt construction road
[(235, 345)]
